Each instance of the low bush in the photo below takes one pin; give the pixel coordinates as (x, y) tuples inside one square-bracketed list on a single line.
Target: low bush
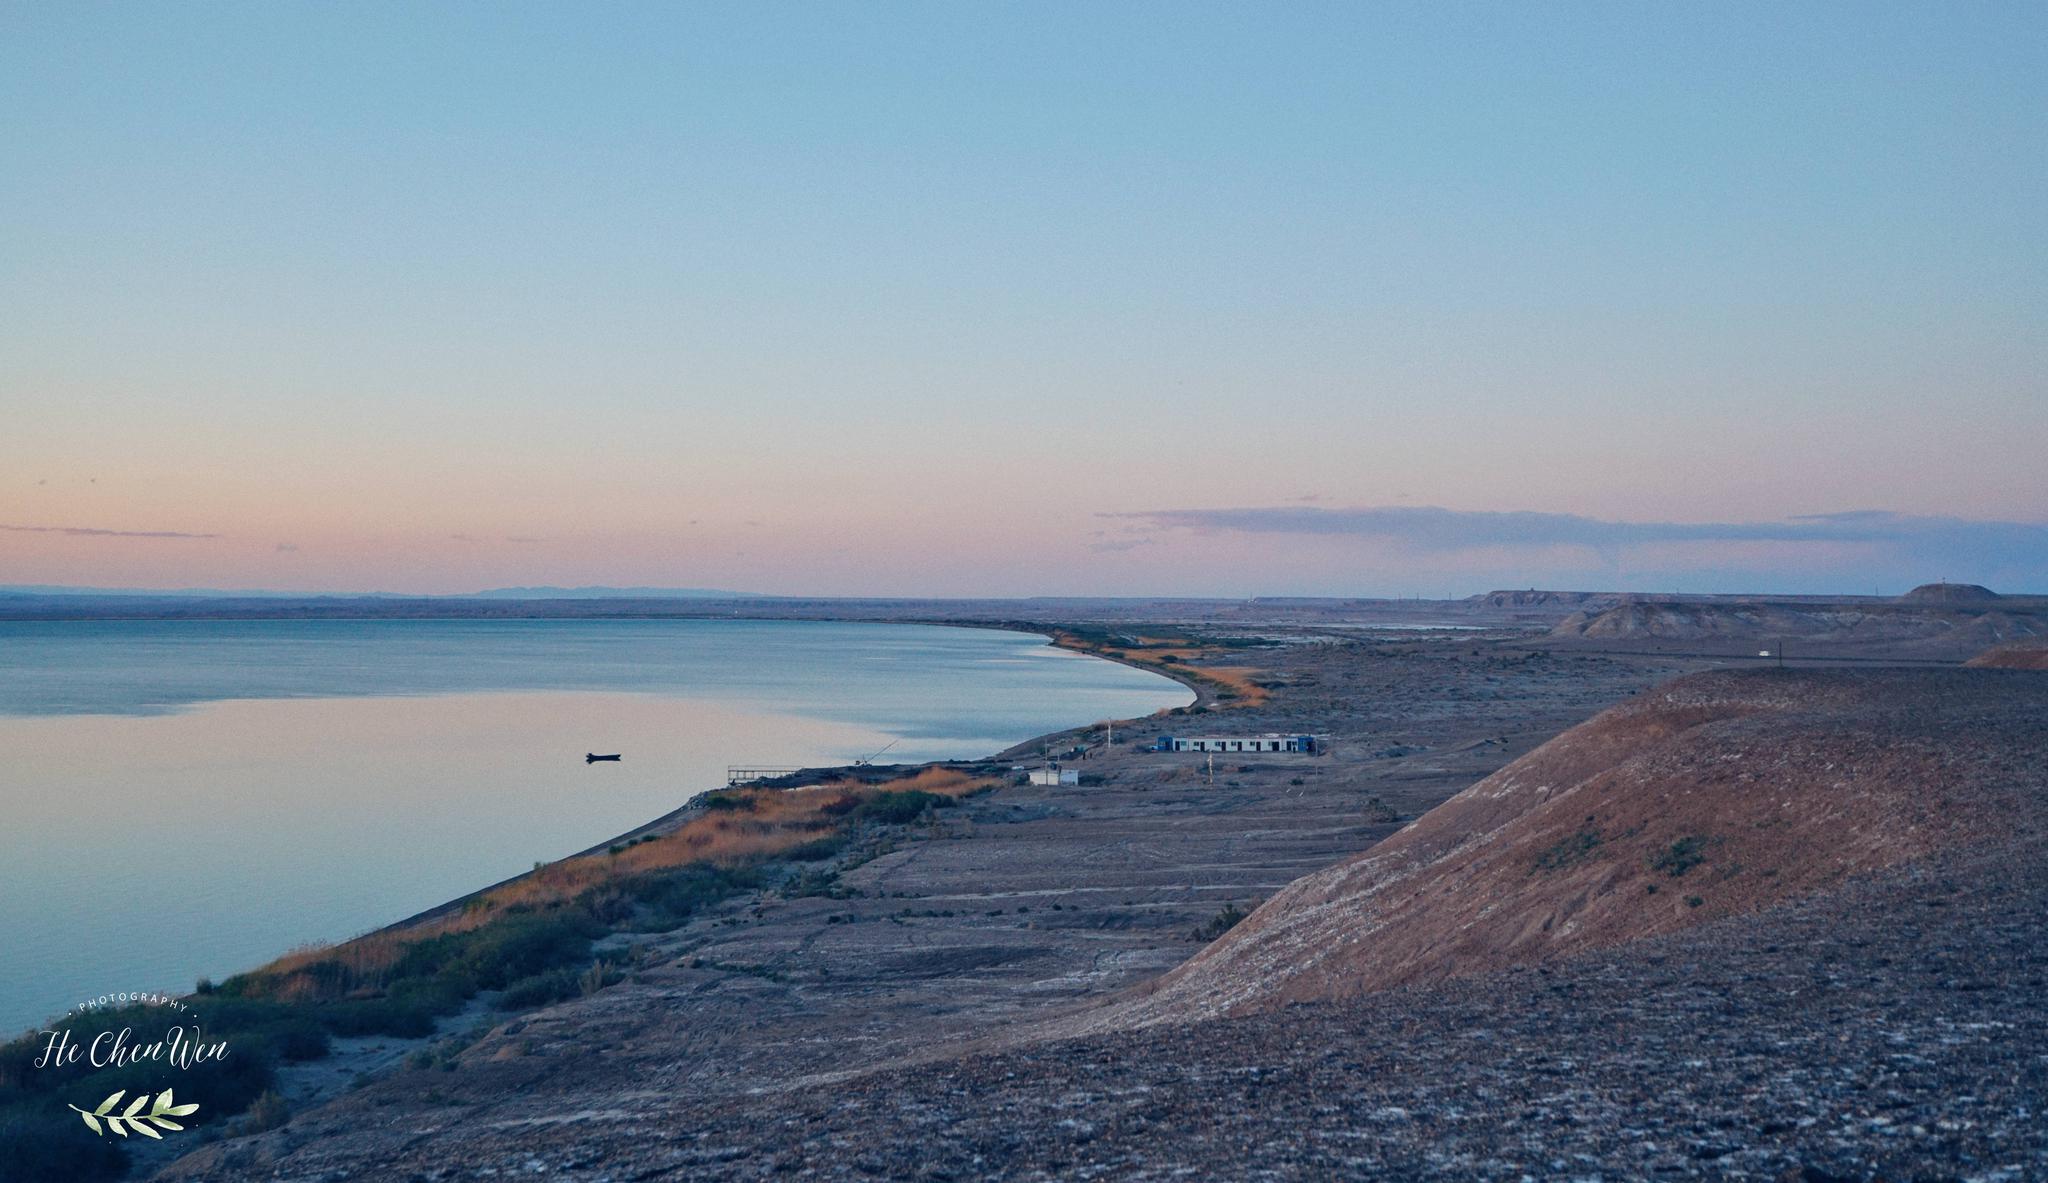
[(42, 1144), (1681, 856), (1569, 852), (1221, 922), (668, 898), (900, 807), (840, 805), (542, 989), (817, 849), (600, 974)]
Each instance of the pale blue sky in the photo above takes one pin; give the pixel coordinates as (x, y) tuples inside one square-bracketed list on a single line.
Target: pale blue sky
[(904, 298)]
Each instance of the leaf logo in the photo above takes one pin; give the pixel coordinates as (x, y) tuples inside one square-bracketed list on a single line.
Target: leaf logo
[(133, 1117)]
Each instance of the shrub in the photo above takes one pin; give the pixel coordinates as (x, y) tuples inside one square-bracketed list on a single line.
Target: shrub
[(540, 989), (814, 882), (1681, 856), (267, 1113), (1221, 922), (840, 805), (381, 1016), (515, 945), (817, 849), (600, 974), (1569, 852), (36, 1145), (293, 1039), (670, 897), (900, 807)]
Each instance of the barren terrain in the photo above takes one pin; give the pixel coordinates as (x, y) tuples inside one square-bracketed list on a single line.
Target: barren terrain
[(1018, 905), (1855, 994)]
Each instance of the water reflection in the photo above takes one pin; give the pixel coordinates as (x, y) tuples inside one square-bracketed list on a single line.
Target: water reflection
[(156, 848), (142, 850)]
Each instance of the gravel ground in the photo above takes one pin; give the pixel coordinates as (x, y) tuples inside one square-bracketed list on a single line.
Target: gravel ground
[(1890, 1028)]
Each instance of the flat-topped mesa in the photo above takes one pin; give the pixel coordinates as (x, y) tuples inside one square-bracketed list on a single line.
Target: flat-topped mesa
[(1950, 593), (1538, 598), (1949, 625), (1713, 795)]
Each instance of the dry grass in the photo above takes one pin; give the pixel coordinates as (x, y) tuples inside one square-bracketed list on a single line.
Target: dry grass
[(1239, 681), (764, 824), (1236, 686)]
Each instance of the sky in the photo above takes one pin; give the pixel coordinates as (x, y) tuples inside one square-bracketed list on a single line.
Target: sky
[(1024, 299)]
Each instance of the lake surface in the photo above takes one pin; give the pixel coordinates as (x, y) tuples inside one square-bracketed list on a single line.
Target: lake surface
[(182, 799)]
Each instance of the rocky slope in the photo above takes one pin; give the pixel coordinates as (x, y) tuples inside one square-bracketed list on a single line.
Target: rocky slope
[(1890, 1029), (1715, 795), (1010, 908), (1937, 629), (1886, 1018), (2030, 654)]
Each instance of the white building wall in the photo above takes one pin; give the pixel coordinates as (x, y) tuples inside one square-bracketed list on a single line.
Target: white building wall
[(1218, 743)]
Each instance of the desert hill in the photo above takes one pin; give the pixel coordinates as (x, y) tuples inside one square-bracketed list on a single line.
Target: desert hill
[(1950, 593), (1945, 624), (1715, 795), (2030, 654), (1536, 598)]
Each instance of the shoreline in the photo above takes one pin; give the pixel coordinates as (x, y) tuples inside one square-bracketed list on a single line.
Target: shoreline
[(351, 1060), (926, 936), (692, 807), (660, 823), (996, 907)]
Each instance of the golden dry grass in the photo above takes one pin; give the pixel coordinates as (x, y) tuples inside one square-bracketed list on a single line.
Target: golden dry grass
[(1239, 680), (1236, 685), (768, 823)]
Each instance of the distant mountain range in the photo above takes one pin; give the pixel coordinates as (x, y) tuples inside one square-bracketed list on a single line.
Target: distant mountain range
[(175, 593), (612, 593), (496, 593)]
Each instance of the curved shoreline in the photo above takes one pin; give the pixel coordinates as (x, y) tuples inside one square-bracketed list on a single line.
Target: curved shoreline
[(690, 807), (354, 1057)]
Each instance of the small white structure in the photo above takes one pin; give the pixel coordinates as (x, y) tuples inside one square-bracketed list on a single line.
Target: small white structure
[(1053, 774), (1268, 742)]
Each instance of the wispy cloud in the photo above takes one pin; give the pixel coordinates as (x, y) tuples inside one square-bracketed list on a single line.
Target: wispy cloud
[(1114, 545), (1435, 529), (94, 532), (1828, 550)]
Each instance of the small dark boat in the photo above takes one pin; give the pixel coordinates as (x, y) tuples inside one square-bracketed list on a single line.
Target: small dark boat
[(593, 757)]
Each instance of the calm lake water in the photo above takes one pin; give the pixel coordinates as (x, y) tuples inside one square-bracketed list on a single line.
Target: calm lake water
[(181, 798)]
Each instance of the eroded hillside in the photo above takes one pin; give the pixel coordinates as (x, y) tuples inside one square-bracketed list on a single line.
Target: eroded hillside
[(1943, 628), (1716, 794)]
